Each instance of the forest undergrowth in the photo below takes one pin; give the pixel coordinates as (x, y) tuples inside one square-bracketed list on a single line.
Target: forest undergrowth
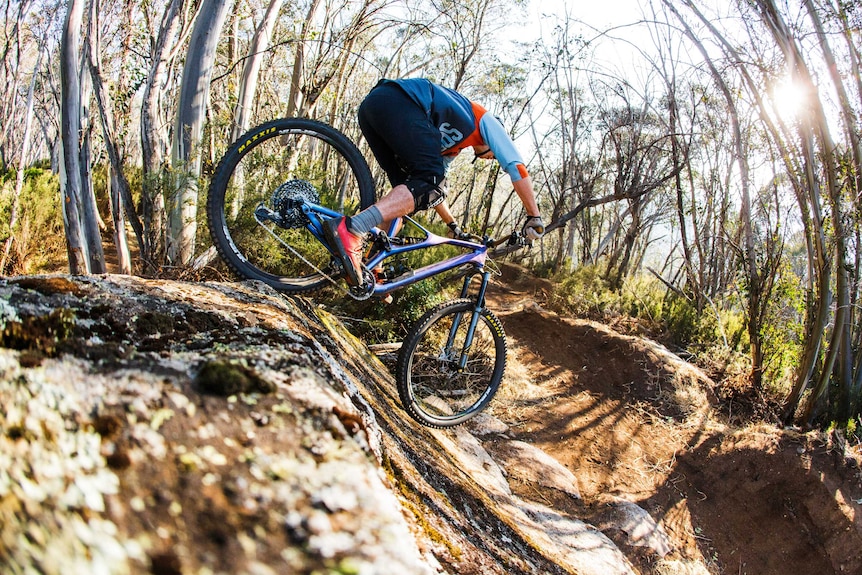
[(714, 338)]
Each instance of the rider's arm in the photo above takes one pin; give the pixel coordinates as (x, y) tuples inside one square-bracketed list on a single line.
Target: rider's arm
[(444, 212), (524, 189), (501, 144), (504, 149)]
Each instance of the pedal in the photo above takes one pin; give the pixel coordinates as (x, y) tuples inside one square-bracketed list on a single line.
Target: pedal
[(363, 291)]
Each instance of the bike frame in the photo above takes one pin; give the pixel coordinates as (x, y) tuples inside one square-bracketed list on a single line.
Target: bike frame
[(476, 256)]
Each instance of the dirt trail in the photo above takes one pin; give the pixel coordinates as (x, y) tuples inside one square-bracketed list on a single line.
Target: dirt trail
[(631, 422)]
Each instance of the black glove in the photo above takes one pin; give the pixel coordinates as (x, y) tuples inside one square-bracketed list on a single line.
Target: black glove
[(454, 231), (534, 227)]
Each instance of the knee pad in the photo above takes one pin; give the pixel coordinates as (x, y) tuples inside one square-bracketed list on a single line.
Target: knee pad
[(425, 194)]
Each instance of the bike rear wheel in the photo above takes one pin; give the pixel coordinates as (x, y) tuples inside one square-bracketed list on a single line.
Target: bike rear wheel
[(442, 384), (265, 166)]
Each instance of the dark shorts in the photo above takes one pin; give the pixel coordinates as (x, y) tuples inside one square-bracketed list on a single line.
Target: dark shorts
[(404, 141)]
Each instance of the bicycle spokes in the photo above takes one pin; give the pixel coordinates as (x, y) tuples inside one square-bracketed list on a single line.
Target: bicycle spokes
[(447, 371), (256, 191)]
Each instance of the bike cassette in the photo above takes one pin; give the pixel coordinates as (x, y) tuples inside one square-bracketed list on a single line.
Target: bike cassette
[(287, 199)]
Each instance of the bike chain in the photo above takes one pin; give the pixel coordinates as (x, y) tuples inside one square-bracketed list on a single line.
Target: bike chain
[(300, 256)]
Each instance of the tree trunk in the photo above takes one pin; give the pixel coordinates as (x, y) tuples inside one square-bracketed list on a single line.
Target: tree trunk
[(188, 129), (756, 297), (845, 370), (22, 161), (91, 221), (817, 124), (70, 127), (12, 35), (694, 280), (293, 102), (251, 70), (121, 242), (154, 141), (118, 184)]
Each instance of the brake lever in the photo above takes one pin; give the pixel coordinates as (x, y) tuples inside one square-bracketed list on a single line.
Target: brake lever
[(510, 244), (519, 239)]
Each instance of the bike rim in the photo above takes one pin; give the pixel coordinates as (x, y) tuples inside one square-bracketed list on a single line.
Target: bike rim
[(440, 389)]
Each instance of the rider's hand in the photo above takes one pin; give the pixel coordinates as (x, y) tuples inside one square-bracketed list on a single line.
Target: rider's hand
[(454, 231), (534, 227)]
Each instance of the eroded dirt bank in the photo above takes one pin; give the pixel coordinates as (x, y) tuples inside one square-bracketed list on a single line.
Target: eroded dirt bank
[(631, 421)]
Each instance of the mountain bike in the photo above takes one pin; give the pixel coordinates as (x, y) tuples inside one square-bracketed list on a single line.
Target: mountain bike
[(268, 199)]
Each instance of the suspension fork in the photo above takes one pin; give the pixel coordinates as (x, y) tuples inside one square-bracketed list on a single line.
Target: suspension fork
[(474, 318)]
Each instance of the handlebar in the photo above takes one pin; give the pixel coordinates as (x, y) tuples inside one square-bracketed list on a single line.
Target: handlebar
[(513, 242), (500, 246)]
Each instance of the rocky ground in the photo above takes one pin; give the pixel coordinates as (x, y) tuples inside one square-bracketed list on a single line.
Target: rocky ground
[(170, 427)]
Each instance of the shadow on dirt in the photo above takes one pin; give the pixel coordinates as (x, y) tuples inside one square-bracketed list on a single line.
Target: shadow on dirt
[(631, 420), (767, 504)]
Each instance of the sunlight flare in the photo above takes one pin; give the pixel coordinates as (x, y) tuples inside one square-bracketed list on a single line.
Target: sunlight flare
[(788, 99)]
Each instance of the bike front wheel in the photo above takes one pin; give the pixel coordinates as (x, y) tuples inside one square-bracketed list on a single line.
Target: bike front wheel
[(271, 166), (444, 379)]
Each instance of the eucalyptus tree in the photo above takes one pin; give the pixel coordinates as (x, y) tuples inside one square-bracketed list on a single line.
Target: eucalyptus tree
[(826, 177), (27, 136), (848, 369), (165, 26), (563, 124), (758, 280), (71, 186), (639, 147), (251, 67), (822, 173), (333, 67), (710, 176), (186, 148), (15, 44), (466, 28), (606, 148), (122, 205)]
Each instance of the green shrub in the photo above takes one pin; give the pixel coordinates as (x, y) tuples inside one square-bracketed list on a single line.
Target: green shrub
[(783, 330), (376, 321), (716, 330), (642, 296), (39, 234), (681, 319), (582, 293)]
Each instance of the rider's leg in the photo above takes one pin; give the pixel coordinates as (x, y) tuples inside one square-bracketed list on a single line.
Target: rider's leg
[(404, 140), (407, 145)]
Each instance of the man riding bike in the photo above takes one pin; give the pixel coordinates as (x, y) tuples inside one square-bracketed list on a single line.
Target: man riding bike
[(415, 128)]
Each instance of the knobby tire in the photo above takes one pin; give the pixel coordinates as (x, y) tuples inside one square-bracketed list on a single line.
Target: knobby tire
[(248, 174), (431, 387)]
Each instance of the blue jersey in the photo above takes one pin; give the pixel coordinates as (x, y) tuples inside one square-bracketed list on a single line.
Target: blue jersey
[(463, 123)]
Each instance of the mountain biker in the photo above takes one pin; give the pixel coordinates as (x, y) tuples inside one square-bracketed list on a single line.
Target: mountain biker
[(415, 128)]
